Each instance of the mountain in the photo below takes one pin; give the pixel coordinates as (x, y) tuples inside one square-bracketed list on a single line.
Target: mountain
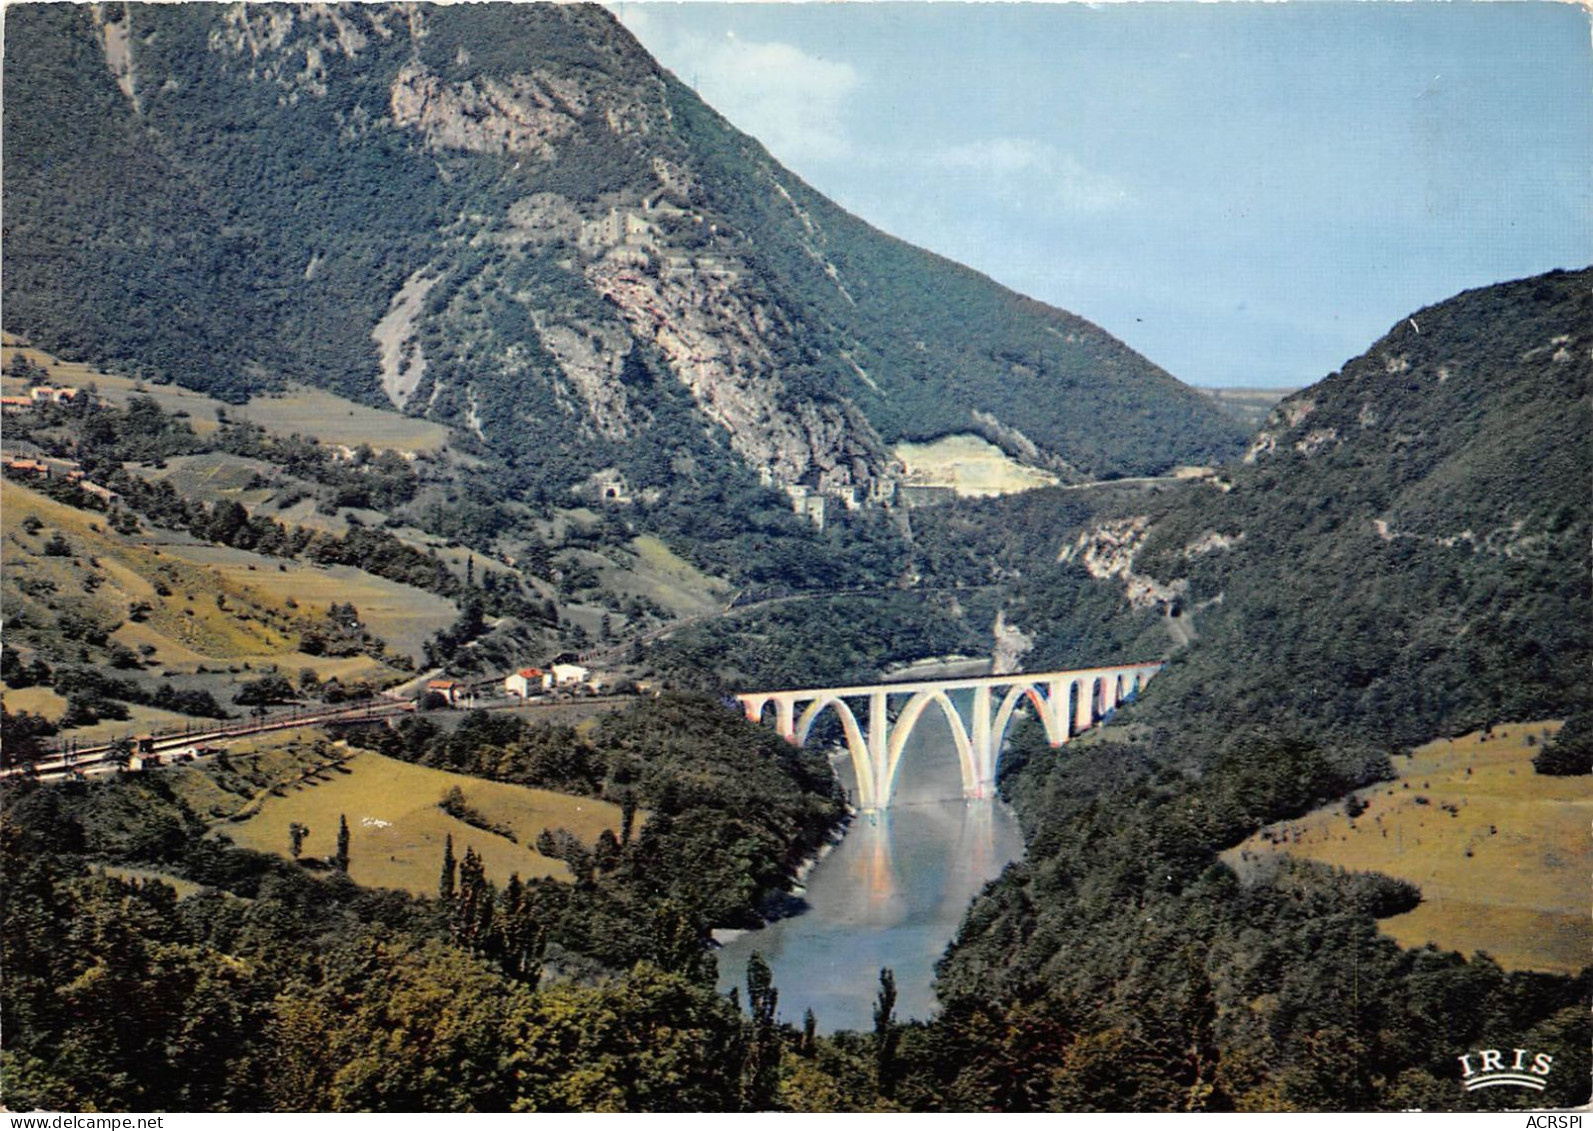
[(1402, 554), (508, 218), (1403, 551)]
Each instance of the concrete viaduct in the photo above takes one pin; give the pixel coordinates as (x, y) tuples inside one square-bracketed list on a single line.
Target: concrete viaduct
[(1067, 703)]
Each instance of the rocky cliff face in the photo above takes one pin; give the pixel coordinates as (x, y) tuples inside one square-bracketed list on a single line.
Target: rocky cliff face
[(1107, 551), (510, 219), (672, 280)]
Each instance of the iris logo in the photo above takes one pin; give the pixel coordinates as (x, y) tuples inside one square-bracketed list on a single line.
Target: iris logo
[(1524, 1070)]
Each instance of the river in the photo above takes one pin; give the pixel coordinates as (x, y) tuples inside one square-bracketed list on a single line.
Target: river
[(892, 893)]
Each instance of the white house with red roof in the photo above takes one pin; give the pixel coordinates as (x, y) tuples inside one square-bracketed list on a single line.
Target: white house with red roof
[(527, 682)]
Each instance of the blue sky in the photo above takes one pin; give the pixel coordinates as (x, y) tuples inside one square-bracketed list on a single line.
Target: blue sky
[(1249, 194)]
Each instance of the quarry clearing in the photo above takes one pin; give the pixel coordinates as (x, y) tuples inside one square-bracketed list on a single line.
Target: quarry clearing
[(1501, 853), (971, 465)]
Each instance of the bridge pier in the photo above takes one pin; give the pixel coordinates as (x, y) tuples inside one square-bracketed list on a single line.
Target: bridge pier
[(877, 752), (882, 772), (984, 783), (1084, 717), (1059, 728)]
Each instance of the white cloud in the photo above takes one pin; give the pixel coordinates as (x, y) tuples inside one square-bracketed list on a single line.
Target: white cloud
[(1005, 155), (791, 101), (811, 113), (1028, 173)]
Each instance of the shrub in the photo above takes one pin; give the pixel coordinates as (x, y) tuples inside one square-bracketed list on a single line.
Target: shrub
[(1571, 751)]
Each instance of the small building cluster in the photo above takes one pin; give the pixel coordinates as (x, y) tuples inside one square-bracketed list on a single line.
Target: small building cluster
[(807, 503), (528, 682), (44, 467), (20, 468), (452, 691), (882, 491), (524, 683), (39, 394)]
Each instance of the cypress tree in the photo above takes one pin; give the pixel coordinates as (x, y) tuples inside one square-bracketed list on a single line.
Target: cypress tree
[(474, 907), (445, 882), (341, 860), (885, 1033), (760, 1079)]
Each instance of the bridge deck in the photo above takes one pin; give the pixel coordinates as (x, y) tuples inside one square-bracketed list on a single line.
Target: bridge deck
[(915, 686), (1066, 703)]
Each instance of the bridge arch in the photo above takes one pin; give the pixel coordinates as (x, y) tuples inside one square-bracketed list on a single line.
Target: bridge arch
[(1056, 730), (757, 707), (1068, 703), (784, 712), (903, 730), (856, 745)]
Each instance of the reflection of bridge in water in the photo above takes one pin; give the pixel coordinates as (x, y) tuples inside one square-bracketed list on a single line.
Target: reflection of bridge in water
[(1066, 703)]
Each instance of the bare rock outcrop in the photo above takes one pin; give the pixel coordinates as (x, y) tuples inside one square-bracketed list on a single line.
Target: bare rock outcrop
[(1108, 551), (1010, 646), (523, 114), (669, 279)]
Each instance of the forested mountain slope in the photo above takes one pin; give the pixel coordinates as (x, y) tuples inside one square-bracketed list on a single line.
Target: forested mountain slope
[(1403, 554), (1404, 551), (510, 219)]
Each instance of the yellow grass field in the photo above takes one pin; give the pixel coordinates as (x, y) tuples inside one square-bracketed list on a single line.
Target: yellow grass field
[(128, 568), (400, 614), (188, 626), (308, 412), (235, 785), (140, 720), (972, 465), (35, 700), (200, 408), (211, 476), (199, 605), (396, 830), (334, 420), (214, 476), (1502, 854)]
